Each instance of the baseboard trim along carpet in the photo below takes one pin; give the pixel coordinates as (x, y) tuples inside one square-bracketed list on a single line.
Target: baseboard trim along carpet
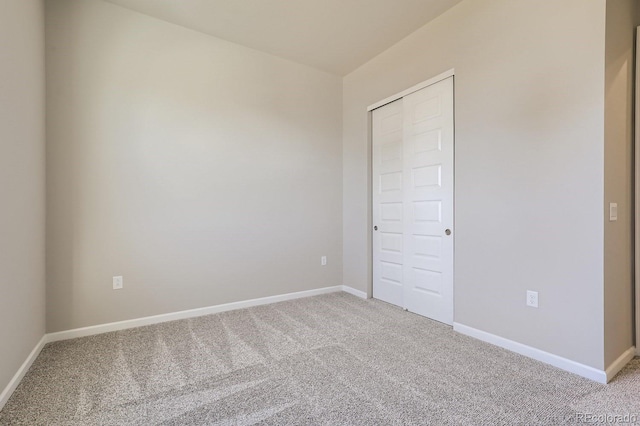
[(353, 291), (156, 319), (15, 381), (192, 313), (620, 363), (574, 367), (601, 376)]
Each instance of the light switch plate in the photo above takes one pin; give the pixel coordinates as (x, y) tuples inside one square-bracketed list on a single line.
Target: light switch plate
[(613, 212)]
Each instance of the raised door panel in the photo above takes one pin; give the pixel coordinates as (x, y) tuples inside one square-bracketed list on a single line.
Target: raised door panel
[(388, 209), (428, 201)]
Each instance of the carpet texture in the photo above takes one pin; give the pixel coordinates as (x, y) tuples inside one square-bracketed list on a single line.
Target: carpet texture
[(326, 360)]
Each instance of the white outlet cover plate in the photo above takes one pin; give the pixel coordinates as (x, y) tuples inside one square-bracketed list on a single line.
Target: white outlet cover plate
[(118, 283)]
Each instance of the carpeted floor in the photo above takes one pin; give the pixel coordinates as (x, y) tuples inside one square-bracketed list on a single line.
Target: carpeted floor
[(325, 360)]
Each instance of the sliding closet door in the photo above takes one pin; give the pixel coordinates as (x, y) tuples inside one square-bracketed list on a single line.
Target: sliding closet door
[(387, 203), (428, 201), (413, 202)]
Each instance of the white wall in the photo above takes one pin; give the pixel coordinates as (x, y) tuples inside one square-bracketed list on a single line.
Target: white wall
[(22, 195), (618, 169), (201, 171), (529, 99)]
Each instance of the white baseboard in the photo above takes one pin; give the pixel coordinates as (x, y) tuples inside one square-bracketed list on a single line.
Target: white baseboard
[(156, 319), (583, 370), (357, 293), (619, 363), (191, 313), (17, 378)]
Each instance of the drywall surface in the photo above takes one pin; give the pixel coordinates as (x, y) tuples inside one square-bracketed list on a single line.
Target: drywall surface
[(22, 193), (618, 177), (201, 171), (331, 35), (529, 100)]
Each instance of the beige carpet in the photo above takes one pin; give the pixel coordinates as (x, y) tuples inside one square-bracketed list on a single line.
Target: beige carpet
[(325, 360)]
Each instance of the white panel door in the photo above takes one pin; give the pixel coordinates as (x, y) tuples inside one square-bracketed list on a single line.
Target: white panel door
[(428, 201), (387, 203), (413, 202)]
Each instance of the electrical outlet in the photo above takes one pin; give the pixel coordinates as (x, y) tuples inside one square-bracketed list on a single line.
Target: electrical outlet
[(532, 298), (118, 283), (323, 260)]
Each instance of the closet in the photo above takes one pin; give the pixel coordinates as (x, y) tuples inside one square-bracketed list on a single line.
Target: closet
[(413, 201)]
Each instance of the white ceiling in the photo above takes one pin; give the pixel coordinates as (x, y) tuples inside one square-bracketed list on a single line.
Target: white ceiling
[(333, 35)]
